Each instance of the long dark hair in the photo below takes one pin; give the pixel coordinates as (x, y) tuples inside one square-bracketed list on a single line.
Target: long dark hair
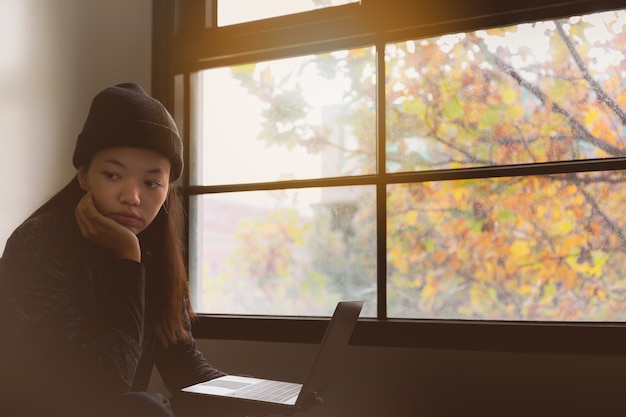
[(164, 236)]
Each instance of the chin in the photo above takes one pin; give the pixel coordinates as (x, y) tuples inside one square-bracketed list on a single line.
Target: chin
[(135, 230)]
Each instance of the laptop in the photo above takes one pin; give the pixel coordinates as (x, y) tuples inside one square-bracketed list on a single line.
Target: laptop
[(285, 395)]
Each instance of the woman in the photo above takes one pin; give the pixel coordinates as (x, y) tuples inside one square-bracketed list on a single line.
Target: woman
[(93, 288)]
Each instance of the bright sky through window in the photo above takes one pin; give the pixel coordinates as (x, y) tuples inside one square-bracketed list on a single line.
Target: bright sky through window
[(230, 12)]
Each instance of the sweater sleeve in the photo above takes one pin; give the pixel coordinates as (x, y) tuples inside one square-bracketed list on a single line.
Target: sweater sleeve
[(182, 364), (83, 319)]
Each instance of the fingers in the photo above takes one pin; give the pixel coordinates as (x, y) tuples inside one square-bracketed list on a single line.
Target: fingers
[(90, 221), (312, 399), (81, 216), (106, 232)]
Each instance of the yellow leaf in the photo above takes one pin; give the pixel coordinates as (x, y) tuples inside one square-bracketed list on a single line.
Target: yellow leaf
[(525, 289), (571, 189), (572, 241), (509, 94), (429, 291), (411, 218), (520, 248), (591, 116), (564, 226)]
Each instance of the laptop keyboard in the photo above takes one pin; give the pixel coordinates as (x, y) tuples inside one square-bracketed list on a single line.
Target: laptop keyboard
[(274, 391)]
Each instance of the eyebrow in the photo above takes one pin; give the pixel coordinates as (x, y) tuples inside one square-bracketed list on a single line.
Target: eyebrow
[(121, 165)]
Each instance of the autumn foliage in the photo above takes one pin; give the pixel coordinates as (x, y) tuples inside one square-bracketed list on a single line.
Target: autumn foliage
[(516, 246)]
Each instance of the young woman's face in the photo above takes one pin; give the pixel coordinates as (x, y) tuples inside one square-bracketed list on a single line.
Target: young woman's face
[(129, 185)]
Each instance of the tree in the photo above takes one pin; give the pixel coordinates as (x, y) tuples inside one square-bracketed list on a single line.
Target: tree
[(531, 247)]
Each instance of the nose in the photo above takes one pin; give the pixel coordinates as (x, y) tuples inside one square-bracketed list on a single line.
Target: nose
[(130, 194)]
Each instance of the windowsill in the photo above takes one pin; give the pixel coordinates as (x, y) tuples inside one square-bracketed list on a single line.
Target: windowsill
[(605, 339)]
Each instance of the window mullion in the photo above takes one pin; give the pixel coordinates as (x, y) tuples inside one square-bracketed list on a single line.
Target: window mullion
[(381, 185)]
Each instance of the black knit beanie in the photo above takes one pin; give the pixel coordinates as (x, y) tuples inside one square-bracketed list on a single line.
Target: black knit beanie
[(124, 115)]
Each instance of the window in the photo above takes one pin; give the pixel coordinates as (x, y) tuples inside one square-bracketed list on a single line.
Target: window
[(465, 171), (230, 12), (294, 250)]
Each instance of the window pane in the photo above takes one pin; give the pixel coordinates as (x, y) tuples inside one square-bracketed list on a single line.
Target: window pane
[(292, 252), (285, 119), (230, 12), (528, 248), (546, 91)]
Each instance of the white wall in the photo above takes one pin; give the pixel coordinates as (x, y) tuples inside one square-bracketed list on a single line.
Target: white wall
[(55, 55)]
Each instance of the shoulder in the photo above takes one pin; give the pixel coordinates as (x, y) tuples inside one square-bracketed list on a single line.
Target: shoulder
[(47, 233), (42, 264)]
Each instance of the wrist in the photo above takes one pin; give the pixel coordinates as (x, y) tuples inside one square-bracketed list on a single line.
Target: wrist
[(133, 254)]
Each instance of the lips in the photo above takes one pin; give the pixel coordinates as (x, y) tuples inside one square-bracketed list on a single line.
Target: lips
[(126, 218)]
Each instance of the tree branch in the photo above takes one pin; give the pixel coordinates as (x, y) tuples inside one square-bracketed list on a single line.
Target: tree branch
[(582, 132), (602, 95), (612, 226)]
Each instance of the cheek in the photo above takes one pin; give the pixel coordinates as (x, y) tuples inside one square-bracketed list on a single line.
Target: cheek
[(99, 201), (155, 204), (105, 198)]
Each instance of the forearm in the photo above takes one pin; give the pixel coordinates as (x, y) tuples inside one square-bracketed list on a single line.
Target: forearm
[(182, 364)]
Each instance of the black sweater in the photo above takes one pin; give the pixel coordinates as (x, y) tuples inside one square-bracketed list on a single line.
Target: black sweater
[(76, 323)]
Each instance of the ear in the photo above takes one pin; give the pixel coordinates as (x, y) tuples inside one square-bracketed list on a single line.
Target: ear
[(81, 173)]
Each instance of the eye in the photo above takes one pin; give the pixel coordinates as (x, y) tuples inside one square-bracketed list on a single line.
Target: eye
[(153, 184), (110, 175)]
